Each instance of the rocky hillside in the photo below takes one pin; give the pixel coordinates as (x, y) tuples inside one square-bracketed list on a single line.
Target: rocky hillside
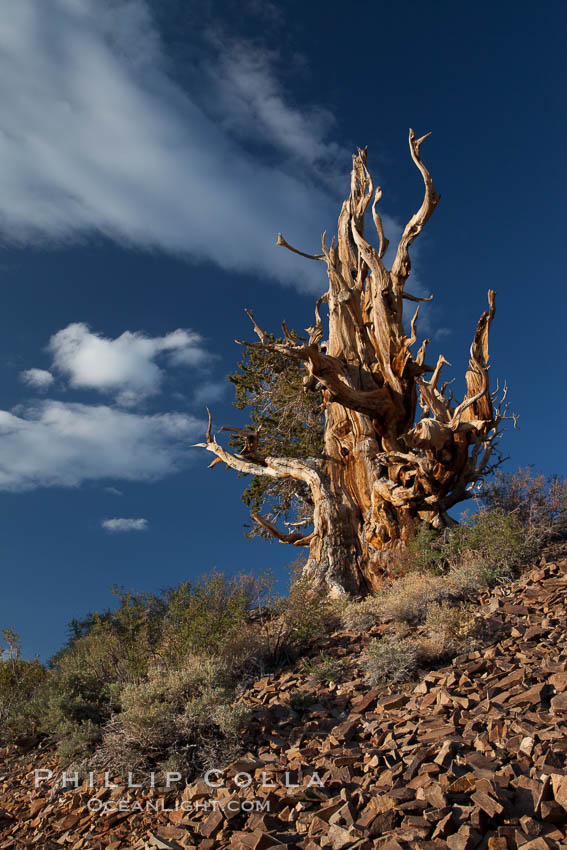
[(473, 755)]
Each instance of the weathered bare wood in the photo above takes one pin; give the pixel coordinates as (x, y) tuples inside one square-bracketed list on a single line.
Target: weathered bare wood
[(281, 241), (382, 472), (293, 537), (402, 264)]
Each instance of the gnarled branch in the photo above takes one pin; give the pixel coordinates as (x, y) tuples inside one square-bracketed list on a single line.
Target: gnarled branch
[(305, 470), (281, 241), (401, 266), (294, 537), (381, 471)]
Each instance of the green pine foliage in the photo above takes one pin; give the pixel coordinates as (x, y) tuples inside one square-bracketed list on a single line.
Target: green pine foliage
[(289, 422)]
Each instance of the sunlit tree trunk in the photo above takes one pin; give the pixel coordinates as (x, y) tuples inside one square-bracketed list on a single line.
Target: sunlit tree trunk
[(384, 469)]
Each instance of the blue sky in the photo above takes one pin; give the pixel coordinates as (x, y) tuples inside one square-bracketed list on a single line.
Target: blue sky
[(149, 155)]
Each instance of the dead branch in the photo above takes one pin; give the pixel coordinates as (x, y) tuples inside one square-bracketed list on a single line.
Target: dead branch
[(409, 297), (294, 537), (281, 241), (401, 266)]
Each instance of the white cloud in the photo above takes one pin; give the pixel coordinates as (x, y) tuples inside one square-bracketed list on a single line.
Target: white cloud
[(208, 393), (41, 379), (250, 102), (124, 366), (113, 491), (95, 137), (442, 333), (123, 524), (56, 444)]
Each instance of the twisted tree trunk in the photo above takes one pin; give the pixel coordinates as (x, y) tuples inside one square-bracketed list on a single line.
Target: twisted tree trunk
[(381, 473)]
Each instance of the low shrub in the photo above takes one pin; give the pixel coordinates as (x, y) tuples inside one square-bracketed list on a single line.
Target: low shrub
[(77, 698), (293, 622), (77, 740), (538, 502), (182, 716), (408, 599), (117, 645), (493, 536), (299, 701), (393, 658), (359, 616), (325, 669), (208, 614), (76, 707), (449, 630), (427, 550), (21, 684)]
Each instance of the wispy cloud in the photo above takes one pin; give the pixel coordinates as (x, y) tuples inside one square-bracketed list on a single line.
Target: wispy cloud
[(442, 333), (124, 366), (96, 137), (210, 392), (64, 444), (251, 105), (40, 379), (120, 524)]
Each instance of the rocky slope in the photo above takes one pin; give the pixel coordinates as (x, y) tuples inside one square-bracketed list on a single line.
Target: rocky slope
[(473, 755)]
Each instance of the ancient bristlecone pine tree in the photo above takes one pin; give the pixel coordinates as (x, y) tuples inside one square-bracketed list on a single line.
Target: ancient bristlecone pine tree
[(382, 472)]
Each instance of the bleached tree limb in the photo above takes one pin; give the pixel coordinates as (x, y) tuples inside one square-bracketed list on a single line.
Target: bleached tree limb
[(382, 470), (281, 241), (401, 266), (294, 537), (410, 297), (378, 224)]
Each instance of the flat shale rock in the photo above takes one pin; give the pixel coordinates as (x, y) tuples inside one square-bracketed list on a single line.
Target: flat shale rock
[(474, 755)]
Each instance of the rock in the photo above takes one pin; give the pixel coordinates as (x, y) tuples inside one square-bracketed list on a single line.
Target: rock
[(465, 839), (558, 704), (161, 843), (474, 755), (552, 812), (559, 785), (365, 703), (487, 804), (212, 824), (340, 837)]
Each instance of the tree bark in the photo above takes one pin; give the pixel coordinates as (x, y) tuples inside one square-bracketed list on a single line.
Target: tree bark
[(382, 473)]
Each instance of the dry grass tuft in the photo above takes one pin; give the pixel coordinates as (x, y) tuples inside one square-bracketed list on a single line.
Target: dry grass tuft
[(391, 659)]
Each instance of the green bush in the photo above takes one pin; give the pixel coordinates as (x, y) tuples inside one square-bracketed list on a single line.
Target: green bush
[(20, 687), (76, 707), (110, 665), (78, 698), (117, 645), (299, 701), (491, 535), (180, 717), (208, 615), (495, 536), (427, 550), (293, 622), (76, 741), (157, 679), (325, 669)]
